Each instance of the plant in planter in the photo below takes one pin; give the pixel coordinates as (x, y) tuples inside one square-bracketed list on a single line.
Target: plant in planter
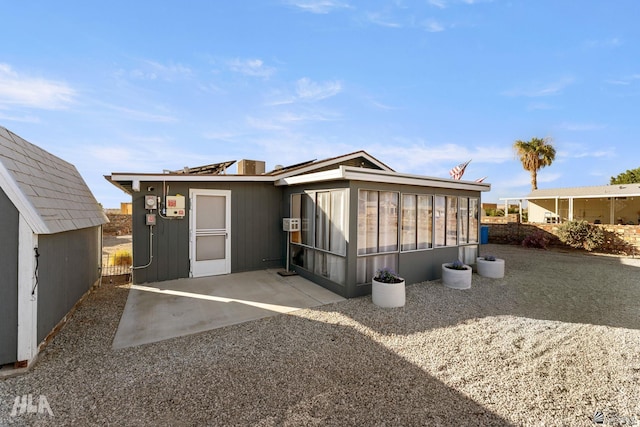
[(388, 289), (456, 275), (490, 266)]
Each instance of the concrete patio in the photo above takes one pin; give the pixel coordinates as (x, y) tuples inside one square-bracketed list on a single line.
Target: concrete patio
[(159, 311)]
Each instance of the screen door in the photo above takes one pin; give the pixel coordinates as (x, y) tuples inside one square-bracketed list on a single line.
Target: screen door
[(210, 232)]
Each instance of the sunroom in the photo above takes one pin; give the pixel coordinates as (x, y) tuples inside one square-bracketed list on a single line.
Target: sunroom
[(356, 221)]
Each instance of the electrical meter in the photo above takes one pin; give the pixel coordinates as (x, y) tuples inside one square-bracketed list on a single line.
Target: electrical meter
[(150, 202)]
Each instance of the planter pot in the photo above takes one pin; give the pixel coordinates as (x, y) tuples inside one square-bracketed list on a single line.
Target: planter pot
[(387, 295), (491, 269), (456, 279)]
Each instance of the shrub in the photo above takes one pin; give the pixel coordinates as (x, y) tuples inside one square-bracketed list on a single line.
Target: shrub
[(581, 234), (494, 212), (121, 257), (537, 239), (456, 265)]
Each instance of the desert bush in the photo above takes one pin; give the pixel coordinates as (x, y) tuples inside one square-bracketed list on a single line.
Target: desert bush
[(494, 212), (581, 234), (537, 239), (121, 257)]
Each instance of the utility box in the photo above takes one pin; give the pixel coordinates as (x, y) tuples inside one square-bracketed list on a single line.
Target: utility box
[(150, 219), (291, 224), (175, 206)]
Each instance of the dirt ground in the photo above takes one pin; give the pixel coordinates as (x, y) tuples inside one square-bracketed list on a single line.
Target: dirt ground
[(554, 343), (111, 244)]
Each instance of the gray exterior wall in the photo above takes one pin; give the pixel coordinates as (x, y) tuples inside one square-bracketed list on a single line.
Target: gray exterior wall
[(67, 268), (9, 223), (257, 239)]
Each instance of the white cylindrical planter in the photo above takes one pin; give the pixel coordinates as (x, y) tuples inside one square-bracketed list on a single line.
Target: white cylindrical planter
[(456, 279), (491, 269), (387, 295)]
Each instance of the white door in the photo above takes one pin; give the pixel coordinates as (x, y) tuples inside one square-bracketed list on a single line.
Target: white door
[(210, 230)]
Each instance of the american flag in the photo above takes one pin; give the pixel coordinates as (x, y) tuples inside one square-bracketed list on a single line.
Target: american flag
[(458, 171), (481, 179)]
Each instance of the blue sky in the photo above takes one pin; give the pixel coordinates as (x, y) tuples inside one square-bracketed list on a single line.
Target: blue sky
[(144, 86)]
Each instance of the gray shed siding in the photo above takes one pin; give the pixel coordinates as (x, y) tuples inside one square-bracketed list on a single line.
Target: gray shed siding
[(257, 239), (9, 224), (67, 268)]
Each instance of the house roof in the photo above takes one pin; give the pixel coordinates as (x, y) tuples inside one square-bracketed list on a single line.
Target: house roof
[(48, 191), (617, 190), (358, 165)]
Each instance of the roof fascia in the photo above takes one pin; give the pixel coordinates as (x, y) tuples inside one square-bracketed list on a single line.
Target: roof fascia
[(582, 196), (335, 160), (372, 175), (20, 201), (126, 176)]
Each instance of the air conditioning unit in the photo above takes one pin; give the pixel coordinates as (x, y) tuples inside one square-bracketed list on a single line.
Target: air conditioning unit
[(291, 224)]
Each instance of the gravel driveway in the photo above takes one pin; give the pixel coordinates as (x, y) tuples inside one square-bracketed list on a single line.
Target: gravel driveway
[(552, 343)]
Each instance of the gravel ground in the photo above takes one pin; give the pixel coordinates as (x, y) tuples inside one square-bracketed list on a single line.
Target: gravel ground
[(550, 344)]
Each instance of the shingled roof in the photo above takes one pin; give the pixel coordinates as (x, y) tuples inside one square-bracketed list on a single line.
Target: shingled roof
[(48, 191)]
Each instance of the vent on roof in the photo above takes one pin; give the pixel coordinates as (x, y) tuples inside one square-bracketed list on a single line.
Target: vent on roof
[(250, 167)]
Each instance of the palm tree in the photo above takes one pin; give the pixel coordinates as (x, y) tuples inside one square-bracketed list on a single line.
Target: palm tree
[(534, 155)]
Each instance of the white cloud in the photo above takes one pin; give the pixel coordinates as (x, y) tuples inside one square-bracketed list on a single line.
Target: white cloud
[(579, 127), (432, 26), (33, 92), (610, 42), (579, 151), (440, 4), (383, 21), (21, 119), (540, 106), (265, 124), (625, 81), (312, 91), (549, 89), (319, 6), (152, 70), (431, 159), (251, 67), (141, 115)]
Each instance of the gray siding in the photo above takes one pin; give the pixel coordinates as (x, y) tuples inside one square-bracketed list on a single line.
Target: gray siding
[(257, 239), (9, 222), (67, 268)]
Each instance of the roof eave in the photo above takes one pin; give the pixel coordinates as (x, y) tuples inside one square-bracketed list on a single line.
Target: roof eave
[(373, 175)]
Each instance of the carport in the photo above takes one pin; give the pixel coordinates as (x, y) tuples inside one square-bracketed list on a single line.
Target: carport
[(162, 310)]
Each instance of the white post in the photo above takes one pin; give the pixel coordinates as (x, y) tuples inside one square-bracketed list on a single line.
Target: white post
[(520, 210), (612, 210), (570, 208), (27, 293)]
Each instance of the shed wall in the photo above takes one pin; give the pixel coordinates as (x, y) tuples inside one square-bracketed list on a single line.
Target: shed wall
[(67, 268), (9, 223), (257, 239)]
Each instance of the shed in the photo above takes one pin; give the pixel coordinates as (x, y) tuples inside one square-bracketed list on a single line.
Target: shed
[(355, 215), (51, 237), (601, 204)]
